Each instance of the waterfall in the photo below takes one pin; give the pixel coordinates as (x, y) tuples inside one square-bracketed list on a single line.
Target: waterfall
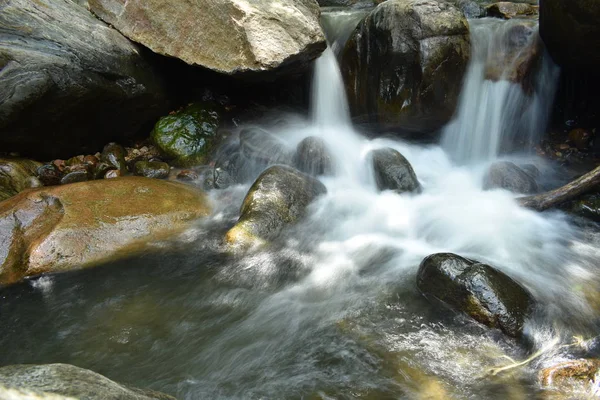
[(497, 104)]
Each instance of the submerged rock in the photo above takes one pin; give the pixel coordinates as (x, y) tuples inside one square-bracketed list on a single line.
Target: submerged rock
[(226, 36), (507, 175), (263, 148), (508, 10), (16, 175), (570, 377), (312, 157), (482, 292), (69, 82), (278, 197), (393, 171), (69, 227), (187, 136), (403, 66), (587, 206), (66, 382), (152, 169)]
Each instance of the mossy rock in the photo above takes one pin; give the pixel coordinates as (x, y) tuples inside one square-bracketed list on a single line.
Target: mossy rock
[(188, 136), (16, 175)]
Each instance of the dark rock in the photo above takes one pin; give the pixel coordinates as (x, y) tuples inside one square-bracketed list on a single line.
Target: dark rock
[(508, 10), (75, 176), (187, 175), (40, 381), (16, 175), (571, 32), (263, 148), (580, 138), (482, 292), (393, 171), (49, 174), (111, 174), (188, 136), (403, 66), (261, 37), (531, 170), (222, 179), (471, 8), (91, 162), (101, 169), (278, 197), (312, 157), (587, 206), (507, 175), (61, 94), (152, 169), (114, 155)]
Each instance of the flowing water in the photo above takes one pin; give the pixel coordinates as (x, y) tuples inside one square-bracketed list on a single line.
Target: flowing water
[(330, 310)]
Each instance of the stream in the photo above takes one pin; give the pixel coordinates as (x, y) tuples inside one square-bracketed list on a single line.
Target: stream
[(330, 310)]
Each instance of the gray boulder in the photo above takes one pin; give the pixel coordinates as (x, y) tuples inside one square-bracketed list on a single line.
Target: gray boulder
[(226, 36), (507, 175), (278, 197), (66, 382), (403, 66), (393, 171), (312, 157), (482, 292), (68, 82)]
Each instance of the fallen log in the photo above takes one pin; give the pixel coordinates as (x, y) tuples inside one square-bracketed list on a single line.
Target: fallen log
[(568, 192)]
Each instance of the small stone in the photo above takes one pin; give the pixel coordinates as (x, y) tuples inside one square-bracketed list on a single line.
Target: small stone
[(74, 161), (49, 174), (152, 169), (60, 164), (75, 176), (90, 161), (114, 154), (113, 173), (187, 175)]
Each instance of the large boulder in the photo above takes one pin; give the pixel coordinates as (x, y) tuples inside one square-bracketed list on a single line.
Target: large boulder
[(226, 36), (508, 10), (404, 64), (68, 82), (571, 31), (279, 196), (393, 171), (509, 176), (65, 382), (16, 175), (62, 228), (482, 292)]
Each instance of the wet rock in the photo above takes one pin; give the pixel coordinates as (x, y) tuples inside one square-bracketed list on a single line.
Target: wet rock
[(61, 228), (113, 173), (187, 136), (80, 92), (49, 174), (230, 37), (312, 157), (101, 169), (403, 66), (74, 177), (471, 8), (143, 153), (152, 169), (278, 197), (507, 175), (187, 175), (16, 175), (114, 155), (393, 171), (531, 170), (571, 376), (350, 3), (91, 162), (508, 10), (66, 382), (482, 292), (263, 148), (571, 32), (588, 206), (222, 179)]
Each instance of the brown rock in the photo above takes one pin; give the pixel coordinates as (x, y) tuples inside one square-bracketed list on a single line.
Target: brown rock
[(565, 376), (187, 175), (580, 138), (113, 173), (508, 10), (69, 227), (17, 174)]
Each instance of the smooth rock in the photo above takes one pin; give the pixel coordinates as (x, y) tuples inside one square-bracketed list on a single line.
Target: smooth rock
[(187, 136), (113, 154), (479, 290), (263, 148), (75, 176), (313, 157), (571, 33), (66, 382), (111, 174), (278, 197), (152, 169), (49, 174), (68, 82), (572, 376), (393, 171), (16, 175), (227, 36), (507, 175), (62, 228), (508, 10), (471, 8), (403, 66)]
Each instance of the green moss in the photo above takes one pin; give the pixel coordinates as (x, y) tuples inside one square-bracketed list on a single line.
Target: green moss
[(188, 136)]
